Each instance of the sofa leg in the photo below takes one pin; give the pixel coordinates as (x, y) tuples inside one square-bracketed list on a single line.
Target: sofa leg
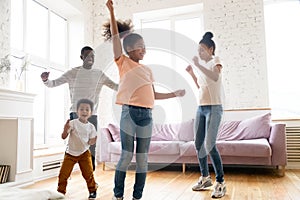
[(281, 170), (183, 167), (103, 166)]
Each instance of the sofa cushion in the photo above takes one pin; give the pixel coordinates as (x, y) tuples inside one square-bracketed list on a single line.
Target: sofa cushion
[(249, 148), (164, 132), (164, 147), (115, 132), (156, 147), (188, 149), (252, 128), (245, 148), (186, 130), (183, 131)]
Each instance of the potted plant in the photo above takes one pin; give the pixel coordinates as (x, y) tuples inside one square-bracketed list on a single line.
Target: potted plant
[(19, 72)]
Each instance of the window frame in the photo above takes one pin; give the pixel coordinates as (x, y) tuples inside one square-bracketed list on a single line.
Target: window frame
[(47, 65), (172, 14), (279, 111)]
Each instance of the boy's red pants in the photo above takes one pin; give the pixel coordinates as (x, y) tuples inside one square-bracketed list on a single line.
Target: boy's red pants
[(85, 163)]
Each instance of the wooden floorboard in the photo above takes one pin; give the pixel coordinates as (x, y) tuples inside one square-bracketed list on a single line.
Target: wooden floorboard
[(243, 183)]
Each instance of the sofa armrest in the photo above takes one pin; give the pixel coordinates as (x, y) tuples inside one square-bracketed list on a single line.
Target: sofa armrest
[(277, 141), (105, 138)]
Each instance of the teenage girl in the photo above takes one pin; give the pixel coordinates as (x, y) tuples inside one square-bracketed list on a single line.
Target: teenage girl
[(209, 114)]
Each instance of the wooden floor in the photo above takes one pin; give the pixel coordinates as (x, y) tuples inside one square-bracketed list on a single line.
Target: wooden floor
[(170, 184)]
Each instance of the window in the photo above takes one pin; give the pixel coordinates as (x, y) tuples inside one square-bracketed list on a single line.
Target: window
[(57, 39), (283, 47), (35, 87), (36, 29), (38, 42), (171, 38)]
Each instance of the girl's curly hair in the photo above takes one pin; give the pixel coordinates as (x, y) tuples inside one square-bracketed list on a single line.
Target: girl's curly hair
[(124, 27)]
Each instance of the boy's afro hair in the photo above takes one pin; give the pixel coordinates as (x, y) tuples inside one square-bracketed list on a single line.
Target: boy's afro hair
[(124, 27)]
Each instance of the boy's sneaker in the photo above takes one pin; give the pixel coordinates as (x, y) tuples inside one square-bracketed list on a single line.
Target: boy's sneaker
[(117, 198), (219, 190), (203, 183), (93, 195)]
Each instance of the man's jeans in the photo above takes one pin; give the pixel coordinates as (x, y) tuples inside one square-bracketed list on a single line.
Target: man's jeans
[(94, 121), (136, 123), (207, 123)]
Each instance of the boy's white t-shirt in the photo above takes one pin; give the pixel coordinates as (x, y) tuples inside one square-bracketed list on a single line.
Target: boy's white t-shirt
[(79, 135)]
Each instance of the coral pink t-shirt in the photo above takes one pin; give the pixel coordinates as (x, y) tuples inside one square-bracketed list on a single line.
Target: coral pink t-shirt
[(136, 83)]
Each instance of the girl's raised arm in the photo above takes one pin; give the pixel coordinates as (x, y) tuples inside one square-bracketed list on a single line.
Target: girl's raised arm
[(117, 47)]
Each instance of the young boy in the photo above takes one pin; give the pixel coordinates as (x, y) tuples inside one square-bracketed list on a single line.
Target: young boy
[(81, 134)]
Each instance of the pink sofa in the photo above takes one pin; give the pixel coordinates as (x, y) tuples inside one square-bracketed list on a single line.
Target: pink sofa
[(254, 141)]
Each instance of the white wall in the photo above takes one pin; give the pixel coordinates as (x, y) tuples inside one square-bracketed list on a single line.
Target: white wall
[(238, 26), (239, 29), (4, 27), (126, 8)]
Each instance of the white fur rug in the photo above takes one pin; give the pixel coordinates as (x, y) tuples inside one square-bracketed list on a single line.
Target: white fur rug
[(12, 193)]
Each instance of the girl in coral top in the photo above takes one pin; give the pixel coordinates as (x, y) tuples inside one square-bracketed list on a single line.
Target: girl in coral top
[(136, 94)]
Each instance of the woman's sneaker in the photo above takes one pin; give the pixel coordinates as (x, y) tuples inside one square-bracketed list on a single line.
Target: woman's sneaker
[(219, 190), (203, 183)]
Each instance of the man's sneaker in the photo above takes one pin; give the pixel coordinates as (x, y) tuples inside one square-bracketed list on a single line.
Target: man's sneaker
[(117, 198), (93, 195), (203, 183), (219, 190)]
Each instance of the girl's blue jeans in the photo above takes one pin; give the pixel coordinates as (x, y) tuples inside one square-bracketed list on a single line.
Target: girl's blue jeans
[(136, 123), (207, 123)]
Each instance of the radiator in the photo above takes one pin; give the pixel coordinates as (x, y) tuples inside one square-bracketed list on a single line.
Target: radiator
[(293, 143), (49, 165)]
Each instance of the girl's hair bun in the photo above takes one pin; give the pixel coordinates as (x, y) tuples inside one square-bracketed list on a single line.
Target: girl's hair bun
[(207, 40), (208, 35)]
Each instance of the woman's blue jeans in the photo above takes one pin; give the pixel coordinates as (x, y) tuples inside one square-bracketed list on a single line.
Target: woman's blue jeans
[(136, 123), (207, 123)]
